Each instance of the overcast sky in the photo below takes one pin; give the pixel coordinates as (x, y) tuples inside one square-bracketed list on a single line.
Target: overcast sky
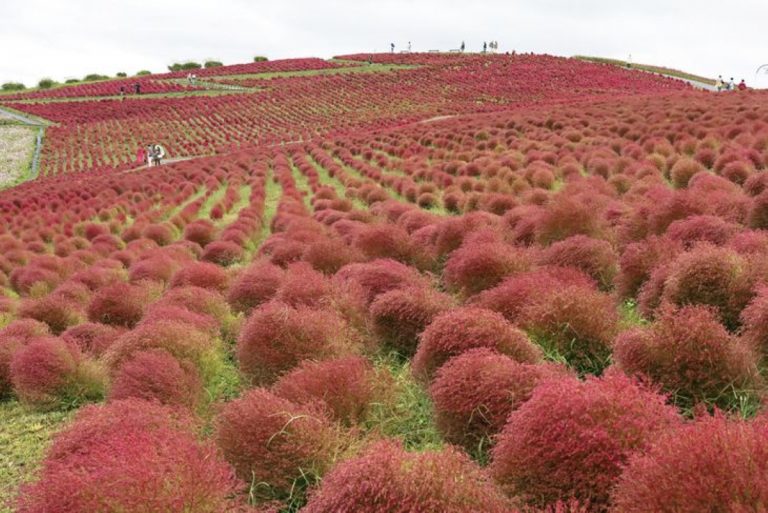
[(71, 38)]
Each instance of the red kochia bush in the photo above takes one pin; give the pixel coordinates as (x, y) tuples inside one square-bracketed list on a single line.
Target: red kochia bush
[(638, 261), (277, 337), (572, 438), (754, 320), (302, 285), (578, 322), (461, 329), (201, 274), (155, 375), (691, 355), (222, 252), (475, 267), (56, 311), (474, 393), (714, 464), (47, 372), (12, 338), (695, 229), (200, 231), (144, 463), (388, 479), (254, 285), (344, 388), (514, 293), (400, 315), (329, 255), (595, 257), (274, 442), (379, 276), (121, 304), (92, 338)]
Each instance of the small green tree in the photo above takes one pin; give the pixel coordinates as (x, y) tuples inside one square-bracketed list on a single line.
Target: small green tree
[(72, 81), (94, 76), (212, 64), (184, 66), (121, 74), (13, 86), (260, 58), (143, 72), (46, 83)]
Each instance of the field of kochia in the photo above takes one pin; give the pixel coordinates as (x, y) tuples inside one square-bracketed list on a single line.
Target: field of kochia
[(428, 283)]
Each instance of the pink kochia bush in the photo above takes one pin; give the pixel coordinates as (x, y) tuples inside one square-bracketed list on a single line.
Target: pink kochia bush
[(275, 443), (713, 464), (475, 267), (691, 356), (474, 393), (400, 315), (572, 438), (255, 285), (461, 329), (144, 448), (12, 338), (48, 372), (201, 274), (595, 257), (155, 375), (379, 276), (343, 388), (387, 479), (121, 304), (277, 337)]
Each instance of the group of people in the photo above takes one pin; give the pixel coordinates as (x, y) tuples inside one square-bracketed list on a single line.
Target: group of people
[(722, 85), (493, 46), (150, 155), (136, 89), (191, 78)]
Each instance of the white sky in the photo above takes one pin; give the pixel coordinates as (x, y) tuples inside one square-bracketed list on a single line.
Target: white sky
[(71, 38)]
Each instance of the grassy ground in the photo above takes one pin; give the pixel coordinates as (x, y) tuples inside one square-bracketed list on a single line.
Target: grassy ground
[(365, 68), (17, 146), (648, 67), (24, 437)]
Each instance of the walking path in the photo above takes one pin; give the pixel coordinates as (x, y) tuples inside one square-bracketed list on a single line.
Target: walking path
[(32, 122)]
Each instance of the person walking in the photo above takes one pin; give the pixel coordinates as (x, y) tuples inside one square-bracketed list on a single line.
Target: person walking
[(150, 155), (731, 85), (392, 47), (409, 47), (462, 47), (141, 156), (719, 84), (137, 88), (742, 85), (485, 47), (158, 154)]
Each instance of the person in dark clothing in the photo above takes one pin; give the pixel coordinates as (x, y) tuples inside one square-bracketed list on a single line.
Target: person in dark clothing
[(742, 85), (122, 92), (392, 46), (137, 88), (485, 47), (462, 47)]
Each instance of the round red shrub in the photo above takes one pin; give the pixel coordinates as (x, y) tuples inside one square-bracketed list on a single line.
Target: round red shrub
[(143, 463), (476, 267), (92, 338), (461, 329), (683, 170), (571, 439), (158, 268), (400, 315), (274, 442), (713, 464), (329, 255), (577, 322), (474, 393), (691, 356), (121, 304), (343, 388), (155, 375), (201, 274), (200, 231), (277, 337), (48, 372), (379, 276), (595, 257), (163, 234), (696, 229), (255, 285), (222, 252), (302, 285), (58, 312), (387, 479), (12, 338)]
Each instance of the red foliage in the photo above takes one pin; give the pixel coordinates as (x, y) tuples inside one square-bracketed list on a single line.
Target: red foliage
[(379, 276), (302, 285), (155, 375), (695, 229), (223, 252), (92, 338), (201, 274), (714, 464), (474, 393), (47, 371), (255, 285), (277, 337), (121, 304), (12, 338), (274, 442), (572, 438), (595, 257), (201, 231), (461, 329), (58, 312), (388, 479), (343, 388), (690, 355), (400, 315), (683, 170), (476, 267)]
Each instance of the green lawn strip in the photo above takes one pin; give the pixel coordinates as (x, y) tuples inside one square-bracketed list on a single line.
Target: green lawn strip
[(341, 190), (647, 67), (273, 192), (21, 170), (210, 202), (176, 210), (302, 184), (24, 437), (245, 199)]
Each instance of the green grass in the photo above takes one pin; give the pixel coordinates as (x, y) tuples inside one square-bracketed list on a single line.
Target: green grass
[(362, 68), (648, 67), (273, 193), (302, 184), (245, 199), (24, 438), (341, 190)]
